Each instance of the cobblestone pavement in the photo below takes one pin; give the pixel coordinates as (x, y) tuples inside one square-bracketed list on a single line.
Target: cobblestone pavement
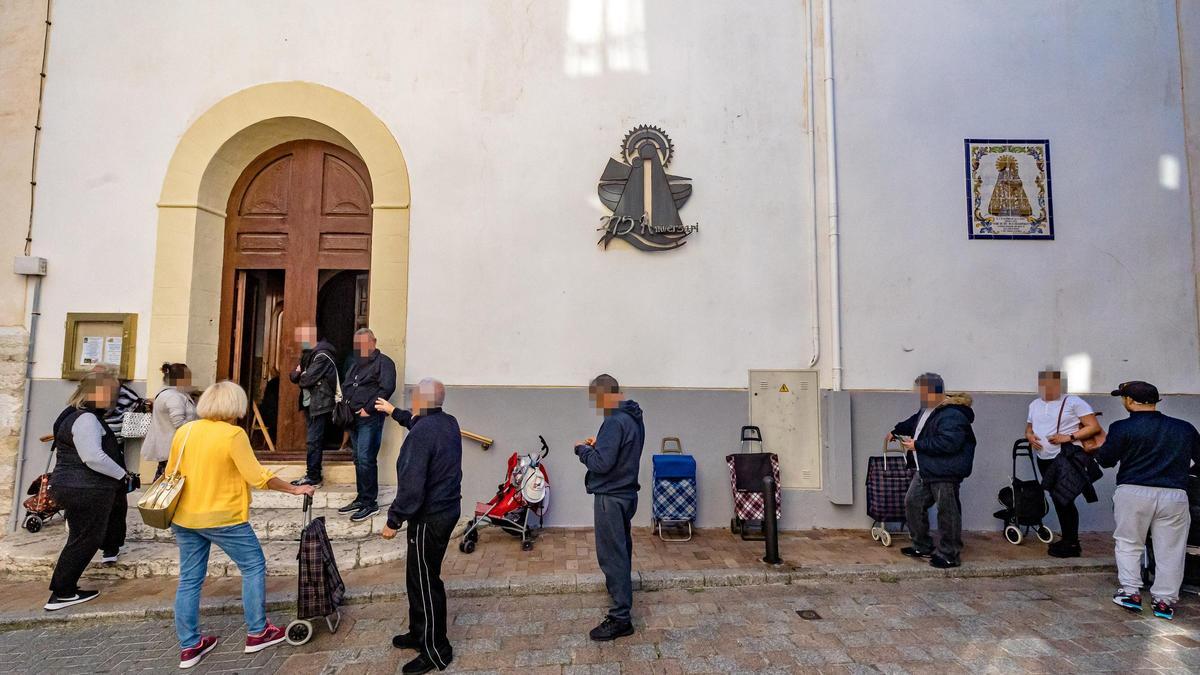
[(1058, 623)]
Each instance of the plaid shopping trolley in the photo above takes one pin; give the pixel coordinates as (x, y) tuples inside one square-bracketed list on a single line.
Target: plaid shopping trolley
[(320, 589), (888, 477), (674, 493), (746, 472)]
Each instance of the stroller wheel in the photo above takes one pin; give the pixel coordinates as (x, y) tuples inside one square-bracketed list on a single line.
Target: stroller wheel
[(885, 537), (1013, 534), (467, 546), (876, 532), (299, 632), (527, 545), (1044, 534), (33, 524)]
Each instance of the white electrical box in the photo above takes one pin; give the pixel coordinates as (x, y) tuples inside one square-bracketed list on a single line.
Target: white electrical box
[(786, 405), (30, 266)]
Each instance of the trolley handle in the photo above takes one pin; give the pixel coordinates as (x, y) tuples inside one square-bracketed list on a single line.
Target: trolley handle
[(751, 434), (308, 500), (893, 446), (678, 449)]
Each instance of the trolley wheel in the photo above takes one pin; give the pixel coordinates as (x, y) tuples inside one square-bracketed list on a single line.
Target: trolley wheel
[(299, 632), (1044, 534), (33, 524), (735, 526), (885, 538), (1013, 534), (876, 531), (467, 546), (527, 545)]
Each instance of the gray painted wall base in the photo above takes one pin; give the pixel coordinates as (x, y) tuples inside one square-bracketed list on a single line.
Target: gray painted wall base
[(708, 422)]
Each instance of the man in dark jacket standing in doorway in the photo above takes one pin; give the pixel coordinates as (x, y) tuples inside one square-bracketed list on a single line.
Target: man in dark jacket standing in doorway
[(941, 443), (428, 496), (316, 375), (372, 377), (613, 458)]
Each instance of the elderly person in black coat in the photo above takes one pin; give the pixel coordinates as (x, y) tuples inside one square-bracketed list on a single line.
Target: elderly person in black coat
[(941, 443)]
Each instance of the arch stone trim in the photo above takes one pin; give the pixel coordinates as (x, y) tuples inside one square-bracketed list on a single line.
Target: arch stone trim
[(211, 153)]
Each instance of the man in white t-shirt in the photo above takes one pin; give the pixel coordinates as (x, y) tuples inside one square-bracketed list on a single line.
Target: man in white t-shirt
[(1058, 421)]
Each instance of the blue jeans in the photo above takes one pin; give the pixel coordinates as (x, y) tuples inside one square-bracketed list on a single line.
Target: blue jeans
[(368, 434), (241, 545)]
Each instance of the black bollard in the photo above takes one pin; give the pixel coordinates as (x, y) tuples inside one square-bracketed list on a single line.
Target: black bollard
[(771, 522)]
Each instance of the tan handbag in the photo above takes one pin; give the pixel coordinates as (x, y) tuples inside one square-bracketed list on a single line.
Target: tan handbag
[(157, 506), (1090, 444)]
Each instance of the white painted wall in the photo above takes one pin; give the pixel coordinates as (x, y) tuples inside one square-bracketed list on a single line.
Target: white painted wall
[(1101, 80), (507, 113)]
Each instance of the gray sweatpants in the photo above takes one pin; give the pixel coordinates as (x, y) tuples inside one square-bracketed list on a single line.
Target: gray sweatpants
[(614, 550), (1164, 512)]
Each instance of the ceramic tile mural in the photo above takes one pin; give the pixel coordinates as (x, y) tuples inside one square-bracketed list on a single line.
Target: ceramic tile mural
[(1008, 189)]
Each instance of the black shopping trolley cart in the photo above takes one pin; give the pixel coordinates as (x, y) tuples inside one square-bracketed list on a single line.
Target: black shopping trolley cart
[(1024, 501), (747, 469), (320, 588)]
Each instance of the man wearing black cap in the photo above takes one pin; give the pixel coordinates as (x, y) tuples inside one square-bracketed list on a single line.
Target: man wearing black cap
[(1155, 453)]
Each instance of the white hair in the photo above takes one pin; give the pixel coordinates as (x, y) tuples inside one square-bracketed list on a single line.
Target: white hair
[(435, 389)]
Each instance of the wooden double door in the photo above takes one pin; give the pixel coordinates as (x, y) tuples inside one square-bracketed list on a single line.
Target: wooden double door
[(297, 251)]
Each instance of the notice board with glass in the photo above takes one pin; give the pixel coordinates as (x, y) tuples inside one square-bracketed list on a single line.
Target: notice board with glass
[(94, 339)]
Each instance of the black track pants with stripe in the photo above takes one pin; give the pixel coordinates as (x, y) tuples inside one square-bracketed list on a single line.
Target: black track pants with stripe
[(428, 537)]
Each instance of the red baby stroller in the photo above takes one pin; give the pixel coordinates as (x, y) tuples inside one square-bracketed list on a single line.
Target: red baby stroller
[(525, 491)]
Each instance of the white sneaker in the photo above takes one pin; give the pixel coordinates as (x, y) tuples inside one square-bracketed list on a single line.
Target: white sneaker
[(107, 558)]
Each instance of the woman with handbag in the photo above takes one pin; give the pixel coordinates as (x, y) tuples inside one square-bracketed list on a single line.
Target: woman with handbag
[(89, 482), (173, 407), (1059, 423), (214, 458)]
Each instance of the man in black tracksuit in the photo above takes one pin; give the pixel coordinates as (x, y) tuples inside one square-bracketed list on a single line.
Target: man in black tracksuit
[(939, 439), (613, 459), (428, 498), (316, 375)]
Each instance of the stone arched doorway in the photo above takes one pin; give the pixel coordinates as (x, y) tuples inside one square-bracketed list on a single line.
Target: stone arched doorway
[(299, 215)]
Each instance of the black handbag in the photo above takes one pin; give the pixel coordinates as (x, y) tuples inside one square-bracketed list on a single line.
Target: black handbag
[(342, 415)]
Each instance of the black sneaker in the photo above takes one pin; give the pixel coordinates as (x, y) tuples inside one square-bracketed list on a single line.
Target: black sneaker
[(1164, 609), (914, 552), (943, 563), (424, 664), (611, 629), (1063, 549), (56, 603), (315, 482), (1130, 601), (364, 513), (352, 506), (407, 640)]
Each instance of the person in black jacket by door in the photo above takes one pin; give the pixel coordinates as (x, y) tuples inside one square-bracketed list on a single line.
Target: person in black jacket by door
[(316, 375), (372, 377), (939, 439), (89, 482), (428, 498), (613, 459)]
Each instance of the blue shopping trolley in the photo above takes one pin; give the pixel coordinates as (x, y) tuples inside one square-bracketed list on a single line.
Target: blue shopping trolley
[(674, 491)]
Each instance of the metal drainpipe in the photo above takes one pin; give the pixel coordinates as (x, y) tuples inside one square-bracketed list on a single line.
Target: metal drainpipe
[(815, 301), (35, 311), (835, 337)]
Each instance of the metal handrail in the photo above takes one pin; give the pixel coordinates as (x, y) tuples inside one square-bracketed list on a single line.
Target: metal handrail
[(483, 441)]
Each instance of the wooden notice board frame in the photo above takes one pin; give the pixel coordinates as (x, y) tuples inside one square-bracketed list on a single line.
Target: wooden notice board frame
[(105, 327)]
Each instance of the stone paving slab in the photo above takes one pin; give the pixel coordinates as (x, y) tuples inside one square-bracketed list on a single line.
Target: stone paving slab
[(1010, 625), (714, 559)]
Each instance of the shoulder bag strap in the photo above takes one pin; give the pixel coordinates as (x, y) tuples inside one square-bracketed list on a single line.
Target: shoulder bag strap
[(337, 393), (182, 447), (1058, 424)]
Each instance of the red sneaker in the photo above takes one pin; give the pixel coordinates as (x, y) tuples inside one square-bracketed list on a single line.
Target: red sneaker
[(273, 635), (193, 655)]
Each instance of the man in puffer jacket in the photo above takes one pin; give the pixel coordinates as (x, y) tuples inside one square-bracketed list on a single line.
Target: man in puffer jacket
[(941, 443)]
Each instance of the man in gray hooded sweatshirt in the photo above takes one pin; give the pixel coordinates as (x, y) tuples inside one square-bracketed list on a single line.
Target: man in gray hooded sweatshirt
[(613, 458)]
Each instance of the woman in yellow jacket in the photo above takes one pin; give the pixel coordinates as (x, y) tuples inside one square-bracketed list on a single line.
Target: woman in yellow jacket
[(218, 467)]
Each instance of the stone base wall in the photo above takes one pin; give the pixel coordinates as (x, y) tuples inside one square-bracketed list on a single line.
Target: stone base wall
[(13, 344)]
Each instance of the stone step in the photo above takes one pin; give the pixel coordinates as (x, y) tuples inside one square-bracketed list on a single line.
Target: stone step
[(32, 556), (329, 495), (275, 525)]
